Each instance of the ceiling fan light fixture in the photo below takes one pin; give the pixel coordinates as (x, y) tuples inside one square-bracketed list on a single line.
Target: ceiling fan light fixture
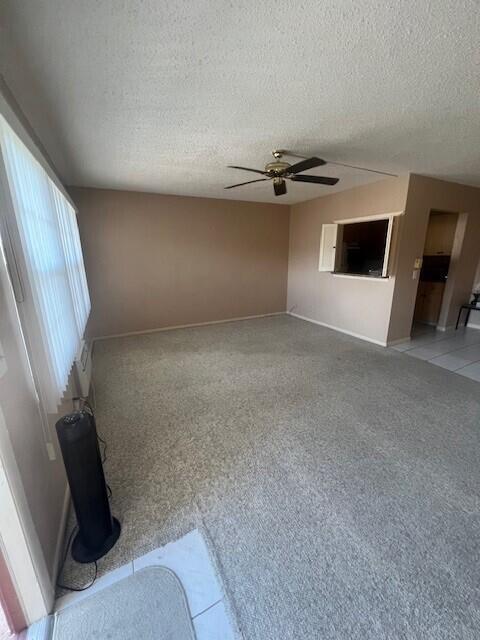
[(279, 186)]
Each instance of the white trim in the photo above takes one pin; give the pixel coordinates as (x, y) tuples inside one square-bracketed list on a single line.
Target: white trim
[(18, 538), (359, 277), (328, 247), (61, 533), (451, 327), (388, 242), (473, 324), (375, 216), (22, 549), (188, 326), (391, 343), (331, 326)]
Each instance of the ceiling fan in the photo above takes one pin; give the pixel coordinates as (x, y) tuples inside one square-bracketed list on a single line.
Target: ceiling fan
[(279, 171)]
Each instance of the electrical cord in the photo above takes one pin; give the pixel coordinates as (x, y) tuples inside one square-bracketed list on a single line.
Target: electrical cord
[(104, 452), (67, 549), (104, 459)]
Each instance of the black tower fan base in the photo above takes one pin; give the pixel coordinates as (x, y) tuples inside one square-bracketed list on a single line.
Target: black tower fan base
[(81, 553)]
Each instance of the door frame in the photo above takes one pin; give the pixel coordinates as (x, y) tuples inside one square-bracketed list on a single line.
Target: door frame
[(19, 542), (9, 602), (455, 248)]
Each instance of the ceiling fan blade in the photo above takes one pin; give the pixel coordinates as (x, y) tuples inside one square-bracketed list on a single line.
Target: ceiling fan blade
[(240, 184), (280, 188), (263, 173), (315, 179), (303, 165)]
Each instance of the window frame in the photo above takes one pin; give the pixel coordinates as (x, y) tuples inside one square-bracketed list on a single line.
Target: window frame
[(333, 248), (13, 251)]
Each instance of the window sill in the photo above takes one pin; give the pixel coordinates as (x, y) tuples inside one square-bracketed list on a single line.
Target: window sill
[(355, 276)]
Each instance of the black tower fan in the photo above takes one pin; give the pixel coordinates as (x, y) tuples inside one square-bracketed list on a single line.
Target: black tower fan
[(97, 530)]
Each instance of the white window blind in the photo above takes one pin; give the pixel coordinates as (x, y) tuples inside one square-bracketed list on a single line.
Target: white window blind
[(52, 260)]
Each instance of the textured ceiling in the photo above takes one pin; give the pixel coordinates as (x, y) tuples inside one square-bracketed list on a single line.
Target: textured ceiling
[(161, 96)]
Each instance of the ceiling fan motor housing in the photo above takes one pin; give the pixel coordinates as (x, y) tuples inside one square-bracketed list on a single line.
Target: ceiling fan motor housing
[(277, 167)]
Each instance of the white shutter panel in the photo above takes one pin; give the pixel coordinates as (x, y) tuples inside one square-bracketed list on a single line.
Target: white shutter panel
[(56, 311), (328, 243), (388, 242)]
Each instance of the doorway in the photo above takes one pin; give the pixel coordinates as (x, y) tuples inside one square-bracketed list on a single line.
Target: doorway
[(435, 267)]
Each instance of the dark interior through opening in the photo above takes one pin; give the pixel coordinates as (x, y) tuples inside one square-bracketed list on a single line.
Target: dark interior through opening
[(363, 248)]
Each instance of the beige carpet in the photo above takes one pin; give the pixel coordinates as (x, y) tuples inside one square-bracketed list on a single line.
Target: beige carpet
[(337, 482), (150, 604)]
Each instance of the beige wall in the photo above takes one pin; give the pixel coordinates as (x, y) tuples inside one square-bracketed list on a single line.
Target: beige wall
[(425, 194), (155, 261), (357, 305), (477, 277)]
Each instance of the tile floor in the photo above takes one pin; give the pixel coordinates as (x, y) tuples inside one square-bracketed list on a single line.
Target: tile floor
[(457, 351), (188, 558)]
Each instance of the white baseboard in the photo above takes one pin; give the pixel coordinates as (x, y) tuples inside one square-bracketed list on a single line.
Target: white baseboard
[(449, 327), (188, 326), (331, 326), (391, 343), (61, 534)]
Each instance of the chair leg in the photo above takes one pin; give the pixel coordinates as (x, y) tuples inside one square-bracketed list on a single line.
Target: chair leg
[(467, 317), (458, 318)]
